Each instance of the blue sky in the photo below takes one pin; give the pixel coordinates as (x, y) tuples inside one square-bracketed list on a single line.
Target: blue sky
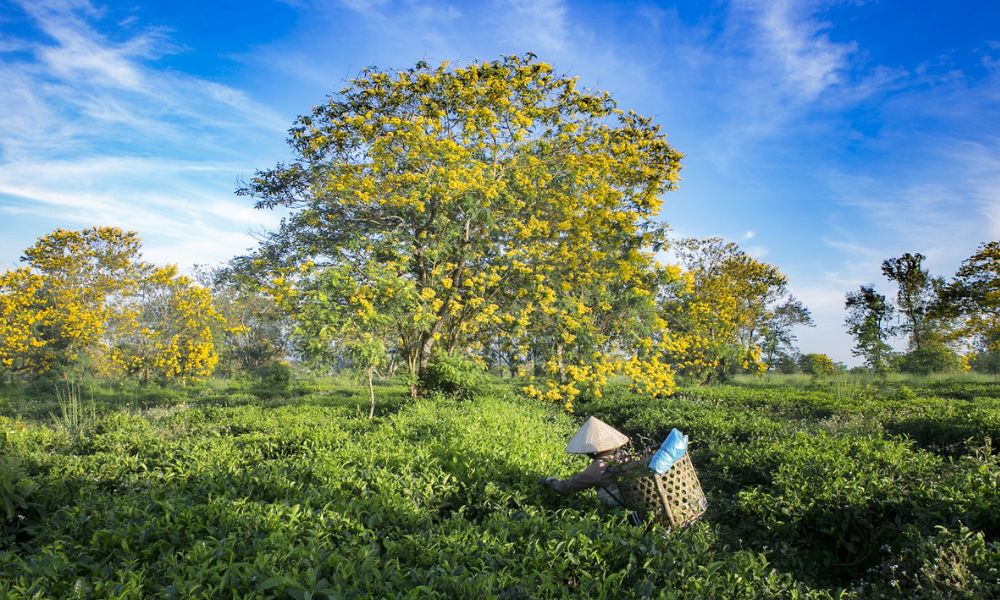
[(821, 136)]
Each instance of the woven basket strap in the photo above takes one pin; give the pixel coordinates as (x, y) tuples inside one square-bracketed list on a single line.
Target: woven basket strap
[(665, 501)]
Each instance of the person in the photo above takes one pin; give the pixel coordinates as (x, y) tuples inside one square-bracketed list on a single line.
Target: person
[(602, 443)]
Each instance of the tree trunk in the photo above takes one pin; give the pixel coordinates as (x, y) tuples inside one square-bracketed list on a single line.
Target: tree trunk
[(371, 394), (413, 364), (425, 352)]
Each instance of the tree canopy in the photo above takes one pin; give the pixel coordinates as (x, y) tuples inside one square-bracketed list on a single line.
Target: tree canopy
[(491, 201), (724, 308), (869, 321), (976, 291), (87, 301)]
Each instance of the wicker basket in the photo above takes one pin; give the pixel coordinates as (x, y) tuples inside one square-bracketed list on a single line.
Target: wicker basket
[(674, 498)]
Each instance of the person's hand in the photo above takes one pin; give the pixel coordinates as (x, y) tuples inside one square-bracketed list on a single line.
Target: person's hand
[(546, 481)]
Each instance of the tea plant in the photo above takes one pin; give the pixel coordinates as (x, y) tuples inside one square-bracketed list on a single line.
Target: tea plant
[(221, 493)]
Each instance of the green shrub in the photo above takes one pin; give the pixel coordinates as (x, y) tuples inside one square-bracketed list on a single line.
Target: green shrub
[(14, 487), (817, 364), (986, 362), (272, 378), (452, 374), (16, 491), (118, 433), (935, 358), (304, 496)]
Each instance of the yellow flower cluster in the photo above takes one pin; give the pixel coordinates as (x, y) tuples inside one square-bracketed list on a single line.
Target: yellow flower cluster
[(20, 312), (649, 376)]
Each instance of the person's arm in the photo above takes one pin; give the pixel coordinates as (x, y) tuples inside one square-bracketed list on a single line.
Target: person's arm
[(589, 477)]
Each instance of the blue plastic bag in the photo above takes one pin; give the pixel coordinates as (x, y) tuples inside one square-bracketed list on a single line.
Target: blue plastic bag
[(671, 451)]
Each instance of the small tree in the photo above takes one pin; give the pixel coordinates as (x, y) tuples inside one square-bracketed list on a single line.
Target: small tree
[(778, 336), (87, 275), (368, 353), (335, 317), (869, 321), (169, 330), (257, 329), (721, 309)]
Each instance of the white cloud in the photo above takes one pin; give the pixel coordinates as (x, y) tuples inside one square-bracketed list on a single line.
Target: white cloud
[(536, 25), (808, 61), (179, 208), (93, 133), (943, 215)]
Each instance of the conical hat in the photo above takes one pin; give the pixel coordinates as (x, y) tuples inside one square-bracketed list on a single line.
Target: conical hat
[(595, 436)]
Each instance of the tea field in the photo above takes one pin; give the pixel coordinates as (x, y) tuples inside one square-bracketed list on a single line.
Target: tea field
[(816, 489)]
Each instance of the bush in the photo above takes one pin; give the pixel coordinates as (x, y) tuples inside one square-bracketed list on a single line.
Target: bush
[(452, 374), (932, 359), (817, 364), (16, 490), (808, 498), (951, 563), (986, 362), (272, 379), (276, 374)]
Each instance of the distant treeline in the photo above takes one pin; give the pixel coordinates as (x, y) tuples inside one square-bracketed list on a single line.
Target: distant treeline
[(949, 325)]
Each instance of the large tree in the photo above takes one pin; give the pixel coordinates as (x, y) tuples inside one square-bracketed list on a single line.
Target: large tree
[(975, 293), (925, 313), (498, 195), (869, 321), (915, 296)]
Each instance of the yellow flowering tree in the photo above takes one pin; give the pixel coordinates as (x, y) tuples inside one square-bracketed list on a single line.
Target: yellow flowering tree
[(24, 313), (85, 276), (88, 301), (169, 331), (501, 199), (721, 309)]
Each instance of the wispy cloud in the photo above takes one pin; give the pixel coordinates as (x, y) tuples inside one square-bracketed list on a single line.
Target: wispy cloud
[(93, 132), (774, 62), (797, 44), (184, 210), (538, 25)]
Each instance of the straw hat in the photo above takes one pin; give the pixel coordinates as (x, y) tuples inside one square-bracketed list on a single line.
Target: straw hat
[(595, 436)]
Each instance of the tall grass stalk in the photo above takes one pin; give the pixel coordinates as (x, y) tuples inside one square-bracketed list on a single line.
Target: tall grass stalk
[(73, 414)]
